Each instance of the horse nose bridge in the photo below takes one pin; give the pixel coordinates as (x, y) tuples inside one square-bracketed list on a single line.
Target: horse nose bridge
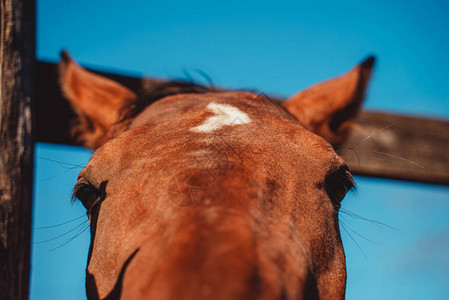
[(197, 259), (194, 259)]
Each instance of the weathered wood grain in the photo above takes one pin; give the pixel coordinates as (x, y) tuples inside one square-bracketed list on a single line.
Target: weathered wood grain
[(399, 147), (383, 145), (17, 47)]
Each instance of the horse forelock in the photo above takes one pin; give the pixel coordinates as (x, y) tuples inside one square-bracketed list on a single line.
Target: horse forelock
[(160, 91)]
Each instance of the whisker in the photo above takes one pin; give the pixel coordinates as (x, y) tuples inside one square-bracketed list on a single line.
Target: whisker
[(60, 224), (400, 158), (59, 236), (378, 152), (374, 133), (71, 239), (62, 173), (61, 163), (365, 238), (354, 151), (374, 222), (357, 244)]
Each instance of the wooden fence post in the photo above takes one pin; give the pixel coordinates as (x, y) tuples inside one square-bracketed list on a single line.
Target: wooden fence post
[(17, 58)]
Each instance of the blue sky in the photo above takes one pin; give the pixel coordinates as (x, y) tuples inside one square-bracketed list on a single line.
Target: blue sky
[(279, 48)]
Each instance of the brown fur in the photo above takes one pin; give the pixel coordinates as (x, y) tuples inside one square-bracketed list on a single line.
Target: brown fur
[(243, 212)]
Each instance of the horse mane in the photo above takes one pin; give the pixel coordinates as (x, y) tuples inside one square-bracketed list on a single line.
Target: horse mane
[(159, 91)]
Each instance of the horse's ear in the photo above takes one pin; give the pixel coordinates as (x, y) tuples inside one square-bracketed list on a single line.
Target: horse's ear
[(328, 108), (96, 100)]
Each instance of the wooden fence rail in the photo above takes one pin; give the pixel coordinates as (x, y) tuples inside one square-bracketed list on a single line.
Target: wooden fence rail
[(383, 145)]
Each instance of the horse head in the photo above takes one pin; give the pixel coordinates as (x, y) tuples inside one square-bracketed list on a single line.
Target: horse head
[(198, 193)]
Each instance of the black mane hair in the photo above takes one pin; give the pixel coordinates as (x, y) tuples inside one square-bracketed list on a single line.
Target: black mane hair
[(159, 91)]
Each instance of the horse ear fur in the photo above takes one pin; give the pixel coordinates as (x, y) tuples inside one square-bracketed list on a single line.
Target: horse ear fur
[(328, 108), (96, 100)]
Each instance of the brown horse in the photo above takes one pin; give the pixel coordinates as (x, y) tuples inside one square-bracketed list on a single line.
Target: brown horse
[(206, 194)]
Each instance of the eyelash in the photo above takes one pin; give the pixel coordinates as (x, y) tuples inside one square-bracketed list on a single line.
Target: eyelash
[(86, 193), (337, 184)]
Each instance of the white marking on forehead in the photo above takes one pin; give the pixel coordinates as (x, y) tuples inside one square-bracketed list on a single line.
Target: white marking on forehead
[(225, 115)]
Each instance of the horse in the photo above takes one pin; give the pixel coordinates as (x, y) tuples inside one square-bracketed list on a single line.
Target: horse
[(194, 192)]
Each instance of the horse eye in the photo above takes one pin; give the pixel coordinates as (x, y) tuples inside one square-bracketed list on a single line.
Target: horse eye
[(86, 193), (337, 184)]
